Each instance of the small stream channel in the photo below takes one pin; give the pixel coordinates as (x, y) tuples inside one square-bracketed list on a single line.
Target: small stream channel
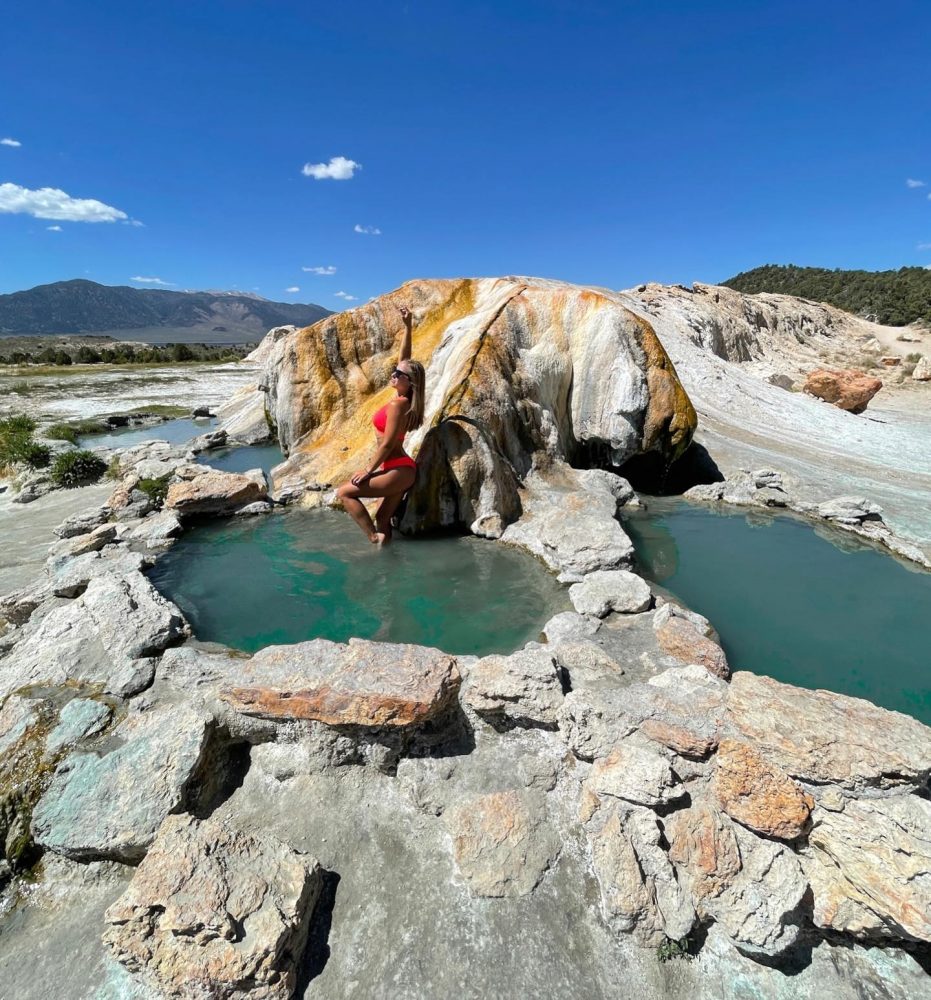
[(820, 609)]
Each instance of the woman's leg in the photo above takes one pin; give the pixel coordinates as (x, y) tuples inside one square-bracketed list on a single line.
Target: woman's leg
[(385, 512), (390, 484)]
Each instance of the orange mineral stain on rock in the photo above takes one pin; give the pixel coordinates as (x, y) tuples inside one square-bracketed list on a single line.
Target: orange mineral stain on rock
[(757, 794)]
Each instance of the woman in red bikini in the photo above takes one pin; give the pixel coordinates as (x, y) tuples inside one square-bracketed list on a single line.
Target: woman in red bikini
[(392, 471)]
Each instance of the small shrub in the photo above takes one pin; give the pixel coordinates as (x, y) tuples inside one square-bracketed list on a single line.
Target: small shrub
[(113, 469), (671, 949), (161, 410), (35, 455), (155, 489), (913, 358), (16, 444), (19, 423), (61, 432), (77, 468)]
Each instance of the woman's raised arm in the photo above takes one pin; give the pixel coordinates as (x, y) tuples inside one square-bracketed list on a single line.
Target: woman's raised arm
[(408, 318)]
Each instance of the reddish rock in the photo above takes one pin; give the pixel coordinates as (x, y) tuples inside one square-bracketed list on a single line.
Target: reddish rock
[(702, 842), (214, 493), (849, 390), (361, 684), (758, 794), (681, 638)]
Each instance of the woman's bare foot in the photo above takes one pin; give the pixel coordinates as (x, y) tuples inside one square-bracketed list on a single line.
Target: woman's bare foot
[(380, 538)]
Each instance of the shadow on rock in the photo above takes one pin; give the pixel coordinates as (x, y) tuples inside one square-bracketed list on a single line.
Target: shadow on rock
[(317, 952)]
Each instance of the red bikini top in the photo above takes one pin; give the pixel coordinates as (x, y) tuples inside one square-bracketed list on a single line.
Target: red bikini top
[(380, 420)]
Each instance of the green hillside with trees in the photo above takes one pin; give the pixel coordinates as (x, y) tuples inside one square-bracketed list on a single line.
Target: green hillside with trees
[(895, 298)]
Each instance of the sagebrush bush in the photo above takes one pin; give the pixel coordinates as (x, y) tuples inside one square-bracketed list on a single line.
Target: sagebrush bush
[(36, 456), (16, 444), (77, 468)]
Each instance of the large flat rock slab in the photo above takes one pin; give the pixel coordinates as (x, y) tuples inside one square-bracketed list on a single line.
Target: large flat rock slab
[(215, 912), (368, 684), (101, 637), (109, 805), (822, 737)]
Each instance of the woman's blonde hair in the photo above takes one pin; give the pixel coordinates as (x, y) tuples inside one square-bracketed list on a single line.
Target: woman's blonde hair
[(418, 380)]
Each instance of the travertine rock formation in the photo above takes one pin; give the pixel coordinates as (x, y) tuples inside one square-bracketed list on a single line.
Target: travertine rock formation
[(520, 372)]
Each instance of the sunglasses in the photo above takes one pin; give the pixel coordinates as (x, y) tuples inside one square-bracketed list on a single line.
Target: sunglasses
[(397, 373)]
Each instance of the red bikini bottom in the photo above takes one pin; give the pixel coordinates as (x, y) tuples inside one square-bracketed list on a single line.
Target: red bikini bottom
[(398, 463)]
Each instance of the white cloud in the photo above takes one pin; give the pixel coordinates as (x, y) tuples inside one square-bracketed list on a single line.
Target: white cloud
[(912, 183), (923, 246), (292, 289), (151, 281), (53, 229), (368, 230), (10, 142), (52, 203), (329, 269), (133, 222), (346, 296), (338, 169)]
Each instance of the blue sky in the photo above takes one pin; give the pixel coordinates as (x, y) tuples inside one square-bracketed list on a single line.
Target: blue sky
[(605, 143)]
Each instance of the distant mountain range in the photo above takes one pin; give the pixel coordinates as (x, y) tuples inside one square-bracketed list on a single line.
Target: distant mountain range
[(895, 298), (147, 314)]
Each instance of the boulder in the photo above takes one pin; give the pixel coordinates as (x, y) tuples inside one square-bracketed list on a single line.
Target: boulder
[(668, 610), (363, 684), (849, 510), (680, 709), (819, 737), (636, 773), (95, 638), (569, 522), (502, 843), (762, 907), (703, 846), (214, 493), (33, 488), (569, 625), (848, 390), (685, 640), (110, 804), (156, 531), (758, 794), (69, 576), (890, 361), (82, 522), (640, 893), (78, 545), (208, 441), (520, 689), (922, 371), (604, 591), (215, 912), (870, 868)]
